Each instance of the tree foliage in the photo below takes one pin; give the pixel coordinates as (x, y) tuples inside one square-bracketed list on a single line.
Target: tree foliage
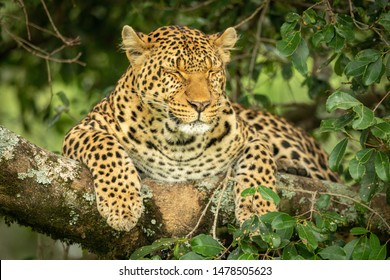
[(59, 58)]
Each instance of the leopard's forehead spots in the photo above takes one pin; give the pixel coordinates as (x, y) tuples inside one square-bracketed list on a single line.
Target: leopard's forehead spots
[(190, 48)]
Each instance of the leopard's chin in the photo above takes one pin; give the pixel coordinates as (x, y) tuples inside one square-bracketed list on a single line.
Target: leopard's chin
[(194, 128)]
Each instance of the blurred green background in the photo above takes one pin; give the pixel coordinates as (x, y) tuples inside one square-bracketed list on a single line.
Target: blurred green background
[(59, 58)]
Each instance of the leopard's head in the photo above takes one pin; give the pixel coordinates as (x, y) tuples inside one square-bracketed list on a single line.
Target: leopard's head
[(179, 73)]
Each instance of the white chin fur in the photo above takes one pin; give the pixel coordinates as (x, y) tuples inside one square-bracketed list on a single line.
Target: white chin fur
[(194, 128)]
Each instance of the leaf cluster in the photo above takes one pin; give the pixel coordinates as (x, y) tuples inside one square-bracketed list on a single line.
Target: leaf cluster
[(276, 235)]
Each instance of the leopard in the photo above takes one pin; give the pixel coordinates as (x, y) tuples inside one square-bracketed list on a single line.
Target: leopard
[(169, 118)]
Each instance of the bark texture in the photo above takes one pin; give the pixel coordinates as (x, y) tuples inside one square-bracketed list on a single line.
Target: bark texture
[(55, 196)]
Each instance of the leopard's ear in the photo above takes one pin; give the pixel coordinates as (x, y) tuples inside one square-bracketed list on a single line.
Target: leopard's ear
[(134, 44), (225, 43)]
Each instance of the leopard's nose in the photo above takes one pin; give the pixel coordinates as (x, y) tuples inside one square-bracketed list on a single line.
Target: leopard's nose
[(199, 106)]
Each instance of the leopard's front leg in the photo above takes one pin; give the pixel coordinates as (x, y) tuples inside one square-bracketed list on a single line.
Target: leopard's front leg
[(116, 180), (255, 167)]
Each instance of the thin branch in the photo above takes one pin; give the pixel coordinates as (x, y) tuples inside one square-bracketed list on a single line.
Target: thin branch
[(30, 24), (251, 16), (66, 41), (381, 101), (202, 215), (313, 201), (363, 26), (257, 43), (330, 12), (21, 3), (31, 48), (201, 5), (361, 204), (342, 196)]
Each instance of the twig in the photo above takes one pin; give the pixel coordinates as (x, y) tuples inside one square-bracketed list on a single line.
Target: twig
[(361, 204), (250, 17), (342, 196), (359, 25), (257, 43), (31, 48), (313, 199), (49, 80), (202, 215), (380, 102), (363, 26), (66, 41), (330, 12), (21, 3), (202, 4)]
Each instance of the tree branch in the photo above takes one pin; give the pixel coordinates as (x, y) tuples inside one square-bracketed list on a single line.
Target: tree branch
[(55, 196)]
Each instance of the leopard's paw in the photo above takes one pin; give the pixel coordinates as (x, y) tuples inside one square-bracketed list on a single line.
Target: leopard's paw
[(120, 216), (293, 167), (254, 205)]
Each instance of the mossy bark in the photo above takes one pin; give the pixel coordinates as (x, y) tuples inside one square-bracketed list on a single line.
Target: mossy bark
[(54, 195)]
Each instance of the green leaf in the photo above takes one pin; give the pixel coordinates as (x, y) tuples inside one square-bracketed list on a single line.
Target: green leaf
[(377, 252), (283, 221), (157, 245), (275, 241), (328, 33), (305, 233), (323, 201), (269, 194), (368, 56), (248, 247), (374, 242), (362, 249), (334, 217), (285, 234), (337, 43), (350, 247), (265, 233), (287, 28), (388, 66), (336, 124), (269, 217), (333, 253), (289, 44), (309, 17), (337, 154), (206, 246), (382, 166), (246, 257), (235, 254), (64, 99), (340, 64), (292, 17), (317, 38), (381, 130), (357, 165), (341, 100), (344, 26), (290, 253), (355, 68), (373, 72), (360, 64), (248, 192), (358, 231), (365, 117), (192, 256), (287, 72), (299, 58), (384, 20)]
